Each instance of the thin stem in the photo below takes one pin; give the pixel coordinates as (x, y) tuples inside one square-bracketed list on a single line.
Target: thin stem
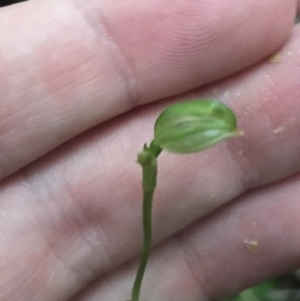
[(147, 213), (147, 159)]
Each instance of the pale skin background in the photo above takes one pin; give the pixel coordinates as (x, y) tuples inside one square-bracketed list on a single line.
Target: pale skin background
[(70, 196)]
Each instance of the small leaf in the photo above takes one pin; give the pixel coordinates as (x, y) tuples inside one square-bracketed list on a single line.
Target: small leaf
[(192, 126)]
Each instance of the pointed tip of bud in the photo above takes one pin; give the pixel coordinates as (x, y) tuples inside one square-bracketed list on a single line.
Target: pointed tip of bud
[(240, 132)]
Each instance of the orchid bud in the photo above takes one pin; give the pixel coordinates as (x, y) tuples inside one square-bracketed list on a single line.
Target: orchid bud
[(193, 126)]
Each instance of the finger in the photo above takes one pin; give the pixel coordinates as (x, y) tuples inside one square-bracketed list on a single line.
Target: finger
[(247, 242), (69, 65), (84, 199)]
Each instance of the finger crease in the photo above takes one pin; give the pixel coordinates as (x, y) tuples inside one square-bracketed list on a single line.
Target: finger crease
[(117, 56)]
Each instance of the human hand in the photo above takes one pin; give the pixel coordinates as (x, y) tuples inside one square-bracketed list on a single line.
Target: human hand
[(70, 212)]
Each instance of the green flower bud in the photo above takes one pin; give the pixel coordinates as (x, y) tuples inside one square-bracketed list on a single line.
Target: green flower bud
[(193, 126)]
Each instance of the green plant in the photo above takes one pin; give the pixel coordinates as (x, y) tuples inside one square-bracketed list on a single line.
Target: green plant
[(282, 288), (182, 128)]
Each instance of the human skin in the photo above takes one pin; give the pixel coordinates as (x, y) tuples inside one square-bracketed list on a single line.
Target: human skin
[(81, 84)]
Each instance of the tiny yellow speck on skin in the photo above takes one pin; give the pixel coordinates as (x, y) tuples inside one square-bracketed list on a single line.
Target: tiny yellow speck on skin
[(279, 129), (252, 245), (240, 132), (200, 251), (275, 58)]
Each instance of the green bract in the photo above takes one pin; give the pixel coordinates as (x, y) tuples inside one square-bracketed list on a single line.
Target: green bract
[(192, 126)]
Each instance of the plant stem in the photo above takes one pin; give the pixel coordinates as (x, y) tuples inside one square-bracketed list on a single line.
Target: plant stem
[(147, 212), (147, 159)]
